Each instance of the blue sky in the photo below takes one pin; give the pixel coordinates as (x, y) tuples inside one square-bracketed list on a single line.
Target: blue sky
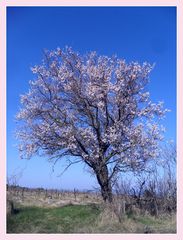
[(133, 33)]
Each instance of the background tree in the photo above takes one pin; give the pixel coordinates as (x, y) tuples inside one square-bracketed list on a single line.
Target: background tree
[(94, 108)]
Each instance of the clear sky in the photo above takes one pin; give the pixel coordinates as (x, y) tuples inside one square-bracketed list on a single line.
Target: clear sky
[(133, 33)]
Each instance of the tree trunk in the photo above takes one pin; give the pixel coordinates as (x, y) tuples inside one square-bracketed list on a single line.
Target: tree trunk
[(103, 180)]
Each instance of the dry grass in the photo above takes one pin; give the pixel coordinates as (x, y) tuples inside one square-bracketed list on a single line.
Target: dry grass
[(110, 224), (51, 198)]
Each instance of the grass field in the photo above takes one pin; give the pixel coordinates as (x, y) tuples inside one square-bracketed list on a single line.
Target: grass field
[(68, 219), (83, 219)]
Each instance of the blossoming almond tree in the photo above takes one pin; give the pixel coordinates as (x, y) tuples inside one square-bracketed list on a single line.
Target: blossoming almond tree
[(93, 108)]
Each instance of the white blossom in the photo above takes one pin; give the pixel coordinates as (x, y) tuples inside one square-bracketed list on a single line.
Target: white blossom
[(91, 106)]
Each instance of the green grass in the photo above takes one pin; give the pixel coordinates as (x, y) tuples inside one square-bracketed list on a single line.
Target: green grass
[(84, 219), (68, 219), (163, 224)]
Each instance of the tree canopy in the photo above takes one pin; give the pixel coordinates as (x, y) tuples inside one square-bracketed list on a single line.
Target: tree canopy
[(95, 108)]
